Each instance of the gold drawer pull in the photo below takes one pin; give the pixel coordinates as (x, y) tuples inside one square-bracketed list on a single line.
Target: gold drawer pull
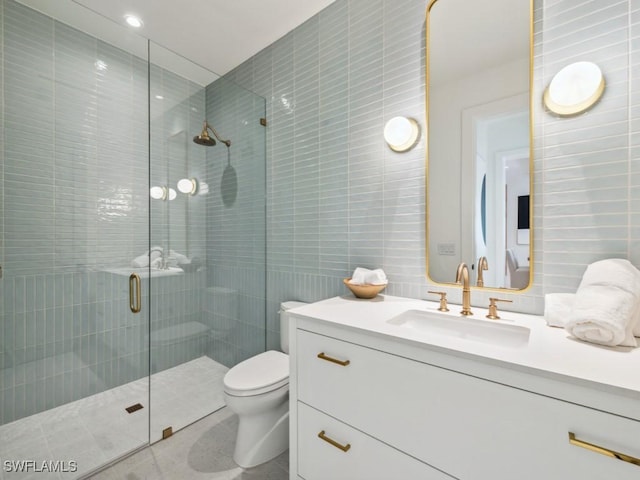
[(344, 363), (603, 451), (344, 448)]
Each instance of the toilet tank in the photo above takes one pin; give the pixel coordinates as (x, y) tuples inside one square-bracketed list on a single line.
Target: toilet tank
[(284, 323)]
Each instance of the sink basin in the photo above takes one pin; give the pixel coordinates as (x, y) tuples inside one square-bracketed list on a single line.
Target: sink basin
[(476, 330)]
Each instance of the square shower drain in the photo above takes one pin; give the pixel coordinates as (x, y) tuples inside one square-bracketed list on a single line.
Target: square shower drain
[(134, 408)]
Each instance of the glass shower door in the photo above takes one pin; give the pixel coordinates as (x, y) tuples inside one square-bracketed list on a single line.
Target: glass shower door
[(75, 195)]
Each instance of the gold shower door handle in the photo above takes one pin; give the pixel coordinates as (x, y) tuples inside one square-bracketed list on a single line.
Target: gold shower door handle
[(343, 363), (135, 302), (344, 448), (603, 451)]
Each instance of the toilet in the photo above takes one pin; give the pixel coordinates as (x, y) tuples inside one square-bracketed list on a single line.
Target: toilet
[(257, 390)]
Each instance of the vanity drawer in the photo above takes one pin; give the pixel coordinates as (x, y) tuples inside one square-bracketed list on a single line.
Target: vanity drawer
[(365, 458), (440, 417)]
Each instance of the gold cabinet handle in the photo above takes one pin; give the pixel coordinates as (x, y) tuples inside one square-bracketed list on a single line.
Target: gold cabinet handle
[(603, 451), (135, 303), (344, 448), (344, 363)]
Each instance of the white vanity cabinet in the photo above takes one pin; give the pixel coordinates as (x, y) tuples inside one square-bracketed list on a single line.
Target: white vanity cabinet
[(406, 418)]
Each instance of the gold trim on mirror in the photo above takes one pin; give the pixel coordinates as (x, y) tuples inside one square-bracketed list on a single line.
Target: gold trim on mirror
[(428, 145)]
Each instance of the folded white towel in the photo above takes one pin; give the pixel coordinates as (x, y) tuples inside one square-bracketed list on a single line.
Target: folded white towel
[(557, 308), (364, 276), (603, 315), (144, 260), (613, 271), (606, 304), (621, 273), (176, 259), (140, 262), (157, 263)]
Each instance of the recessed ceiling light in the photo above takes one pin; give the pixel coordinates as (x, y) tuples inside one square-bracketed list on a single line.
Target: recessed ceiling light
[(159, 97), (133, 21)]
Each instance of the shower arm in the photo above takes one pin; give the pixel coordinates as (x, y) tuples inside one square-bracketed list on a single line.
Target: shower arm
[(215, 134)]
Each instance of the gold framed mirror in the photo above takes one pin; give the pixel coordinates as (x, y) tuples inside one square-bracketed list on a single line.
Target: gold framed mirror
[(479, 141)]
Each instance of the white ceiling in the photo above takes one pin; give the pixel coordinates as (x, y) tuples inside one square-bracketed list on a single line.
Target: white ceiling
[(216, 34)]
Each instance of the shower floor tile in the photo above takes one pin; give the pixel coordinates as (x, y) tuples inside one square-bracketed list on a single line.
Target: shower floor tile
[(97, 429)]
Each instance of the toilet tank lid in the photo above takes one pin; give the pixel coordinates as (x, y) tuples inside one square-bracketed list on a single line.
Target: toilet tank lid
[(266, 369), (284, 306)]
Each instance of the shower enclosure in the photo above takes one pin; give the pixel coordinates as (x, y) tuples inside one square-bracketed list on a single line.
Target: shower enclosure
[(124, 298)]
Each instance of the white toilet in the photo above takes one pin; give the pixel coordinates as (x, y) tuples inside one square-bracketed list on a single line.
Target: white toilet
[(257, 389)]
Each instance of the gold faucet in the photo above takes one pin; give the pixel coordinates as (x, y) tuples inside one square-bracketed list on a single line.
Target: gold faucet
[(482, 265), (462, 276)]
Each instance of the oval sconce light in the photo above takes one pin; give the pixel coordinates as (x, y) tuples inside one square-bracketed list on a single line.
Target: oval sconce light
[(401, 133), (574, 89), (188, 185), (162, 193), (158, 193)]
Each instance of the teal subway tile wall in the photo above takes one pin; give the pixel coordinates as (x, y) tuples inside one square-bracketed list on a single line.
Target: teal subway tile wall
[(339, 198), (77, 117), (336, 196)]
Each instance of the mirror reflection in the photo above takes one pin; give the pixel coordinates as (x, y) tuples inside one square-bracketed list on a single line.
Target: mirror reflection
[(479, 141)]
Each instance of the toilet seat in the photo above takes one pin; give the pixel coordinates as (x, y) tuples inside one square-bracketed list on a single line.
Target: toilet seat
[(262, 373)]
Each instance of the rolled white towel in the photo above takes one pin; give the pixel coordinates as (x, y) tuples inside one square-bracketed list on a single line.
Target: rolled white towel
[(176, 258), (620, 273), (149, 256), (140, 262), (157, 263), (613, 271), (602, 314), (364, 276), (557, 308)]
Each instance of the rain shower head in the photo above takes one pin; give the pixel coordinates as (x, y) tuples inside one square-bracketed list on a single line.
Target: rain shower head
[(205, 139)]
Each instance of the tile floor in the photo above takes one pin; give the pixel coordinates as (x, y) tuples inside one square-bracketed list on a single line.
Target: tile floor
[(203, 450), (96, 429)]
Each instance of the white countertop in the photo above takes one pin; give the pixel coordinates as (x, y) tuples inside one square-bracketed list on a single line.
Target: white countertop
[(549, 349)]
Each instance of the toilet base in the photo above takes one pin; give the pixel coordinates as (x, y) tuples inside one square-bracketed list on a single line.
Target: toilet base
[(262, 434)]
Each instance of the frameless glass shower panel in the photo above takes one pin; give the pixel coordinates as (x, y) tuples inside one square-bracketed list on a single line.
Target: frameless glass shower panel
[(75, 213), (181, 374), (191, 315)]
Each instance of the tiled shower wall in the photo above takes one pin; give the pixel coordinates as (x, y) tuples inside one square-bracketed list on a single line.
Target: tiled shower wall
[(236, 224), (75, 149), (75, 204), (339, 198)]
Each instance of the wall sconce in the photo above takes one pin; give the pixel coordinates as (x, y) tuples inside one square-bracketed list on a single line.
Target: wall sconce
[(188, 185), (574, 89), (162, 193), (401, 133), (158, 193)]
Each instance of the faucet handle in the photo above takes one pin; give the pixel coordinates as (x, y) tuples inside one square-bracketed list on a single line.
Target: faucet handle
[(493, 308), (443, 300)]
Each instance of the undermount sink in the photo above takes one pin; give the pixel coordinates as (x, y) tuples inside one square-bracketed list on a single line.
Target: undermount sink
[(476, 330)]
